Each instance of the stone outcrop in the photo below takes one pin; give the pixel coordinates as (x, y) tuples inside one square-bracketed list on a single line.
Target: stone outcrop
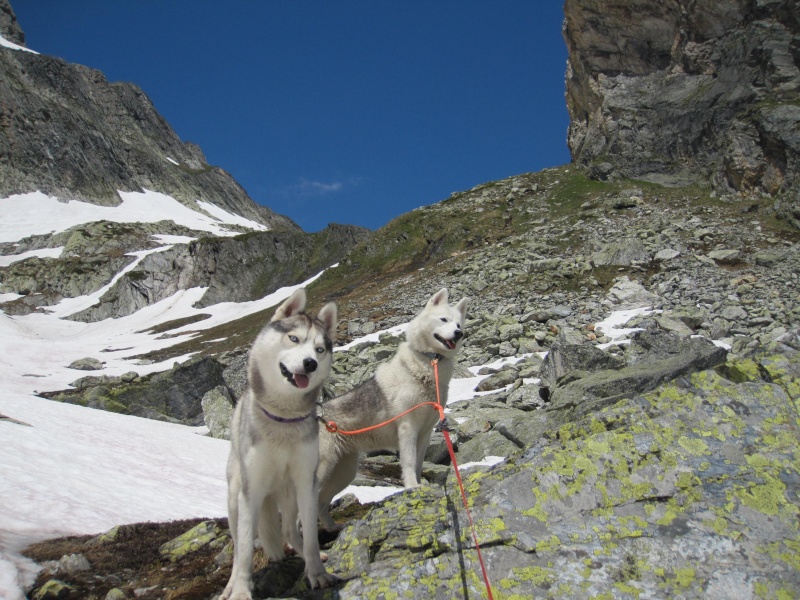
[(680, 91), (175, 395)]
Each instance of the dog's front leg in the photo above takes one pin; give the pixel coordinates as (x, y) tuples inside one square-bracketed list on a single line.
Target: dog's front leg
[(241, 582), (408, 444), (307, 498)]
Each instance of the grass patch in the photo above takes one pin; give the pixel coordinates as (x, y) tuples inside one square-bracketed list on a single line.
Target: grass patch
[(175, 324)]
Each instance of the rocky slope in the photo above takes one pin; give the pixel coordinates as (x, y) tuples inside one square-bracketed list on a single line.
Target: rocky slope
[(668, 466), (680, 91)]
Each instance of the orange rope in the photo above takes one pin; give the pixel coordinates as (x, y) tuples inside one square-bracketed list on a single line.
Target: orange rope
[(332, 427)]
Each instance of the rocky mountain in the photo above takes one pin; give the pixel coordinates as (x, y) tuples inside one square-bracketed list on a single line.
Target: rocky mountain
[(70, 133), (661, 463), (681, 91)]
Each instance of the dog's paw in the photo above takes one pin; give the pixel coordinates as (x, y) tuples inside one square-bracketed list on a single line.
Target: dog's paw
[(322, 579), (232, 595)]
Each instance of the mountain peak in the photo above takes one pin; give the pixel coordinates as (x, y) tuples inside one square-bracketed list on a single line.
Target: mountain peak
[(9, 27)]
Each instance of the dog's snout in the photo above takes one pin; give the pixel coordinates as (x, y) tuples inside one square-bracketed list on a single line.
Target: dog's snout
[(310, 365), (458, 335)]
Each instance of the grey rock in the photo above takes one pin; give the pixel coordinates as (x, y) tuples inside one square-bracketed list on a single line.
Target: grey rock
[(217, 407), (725, 256), (566, 358), (236, 269), (499, 380), (767, 259), (173, 395), (624, 252), (491, 443), (526, 397), (673, 325), (733, 313), (654, 359), (73, 563), (630, 293), (86, 364), (667, 254)]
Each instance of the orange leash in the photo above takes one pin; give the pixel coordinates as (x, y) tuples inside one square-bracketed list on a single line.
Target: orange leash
[(446, 432), (334, 428)]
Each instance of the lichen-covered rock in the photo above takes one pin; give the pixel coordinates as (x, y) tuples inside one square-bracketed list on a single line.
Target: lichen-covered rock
[(686, 490), (207, 533), (53, 590)]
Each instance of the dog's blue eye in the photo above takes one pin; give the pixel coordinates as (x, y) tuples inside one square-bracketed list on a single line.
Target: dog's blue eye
[(320, 350), (294, 339)]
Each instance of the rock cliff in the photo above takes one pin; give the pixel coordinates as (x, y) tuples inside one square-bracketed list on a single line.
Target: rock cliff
[(680, 91)]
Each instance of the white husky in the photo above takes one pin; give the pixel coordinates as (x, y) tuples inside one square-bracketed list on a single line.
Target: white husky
[(274, 445), (399, 384)]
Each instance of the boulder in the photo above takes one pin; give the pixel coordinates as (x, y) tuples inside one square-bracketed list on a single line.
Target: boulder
[(565, 358), (86, 364), (217, 407)]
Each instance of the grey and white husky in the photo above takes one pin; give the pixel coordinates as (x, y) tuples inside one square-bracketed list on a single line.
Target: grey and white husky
[(399, 384), (274, 444)]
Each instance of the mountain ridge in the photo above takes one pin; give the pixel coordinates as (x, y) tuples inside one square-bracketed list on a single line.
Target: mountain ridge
[(69, 133)]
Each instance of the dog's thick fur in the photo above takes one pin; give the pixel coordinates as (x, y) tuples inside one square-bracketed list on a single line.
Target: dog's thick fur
[(274, 444), (399, 384)]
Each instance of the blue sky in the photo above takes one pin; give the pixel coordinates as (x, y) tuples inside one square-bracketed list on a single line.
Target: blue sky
[(347, 111)]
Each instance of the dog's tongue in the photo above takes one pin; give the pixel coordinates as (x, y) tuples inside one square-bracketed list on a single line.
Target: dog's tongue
[(450, 344), (301, 381)]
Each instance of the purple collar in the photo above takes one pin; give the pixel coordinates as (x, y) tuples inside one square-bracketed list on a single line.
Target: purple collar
[(287, 420)]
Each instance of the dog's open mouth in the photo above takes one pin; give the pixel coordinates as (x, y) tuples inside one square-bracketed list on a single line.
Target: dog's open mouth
[(298, 380), (449, 344)]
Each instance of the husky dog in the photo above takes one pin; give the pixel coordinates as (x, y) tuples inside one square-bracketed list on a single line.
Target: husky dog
[(399, 384), (274, 446)]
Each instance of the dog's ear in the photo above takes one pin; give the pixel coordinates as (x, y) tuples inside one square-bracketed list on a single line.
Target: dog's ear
[(438, 298), (292, 305), (328, 317), (462, 307)]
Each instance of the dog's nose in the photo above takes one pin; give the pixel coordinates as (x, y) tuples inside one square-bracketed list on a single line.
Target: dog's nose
[(310, 365), (458, 335)]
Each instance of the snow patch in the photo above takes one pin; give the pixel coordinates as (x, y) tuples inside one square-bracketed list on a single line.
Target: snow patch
[(36, 213), (7, 44), (41, 253)]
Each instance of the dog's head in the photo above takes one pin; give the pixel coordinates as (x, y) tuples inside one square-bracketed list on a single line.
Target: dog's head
[(294, 351), (439, 328)]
